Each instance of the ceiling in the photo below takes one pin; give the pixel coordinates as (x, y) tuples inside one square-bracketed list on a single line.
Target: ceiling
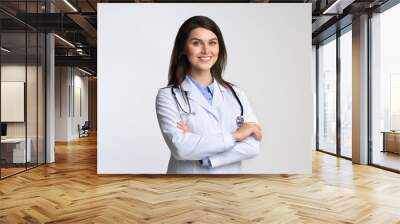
[(76, 22)]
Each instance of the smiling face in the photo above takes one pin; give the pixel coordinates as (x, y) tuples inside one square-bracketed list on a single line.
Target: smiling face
[(202, 49)]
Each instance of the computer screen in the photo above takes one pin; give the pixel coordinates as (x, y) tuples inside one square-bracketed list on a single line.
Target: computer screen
[(3, 129)]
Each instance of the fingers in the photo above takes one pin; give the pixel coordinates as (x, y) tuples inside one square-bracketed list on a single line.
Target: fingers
[(182, 126), (258, 135), (179, 126), (256, 130), (254, 124), (257, 126)]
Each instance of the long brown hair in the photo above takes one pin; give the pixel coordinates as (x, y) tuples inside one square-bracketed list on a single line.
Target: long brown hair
[(180, 65)]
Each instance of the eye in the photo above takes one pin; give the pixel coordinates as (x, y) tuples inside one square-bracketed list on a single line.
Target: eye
[(196, 43), (213, 43)]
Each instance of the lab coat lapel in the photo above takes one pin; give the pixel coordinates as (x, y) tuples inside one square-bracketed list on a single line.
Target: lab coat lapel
[(195, 95), (218, 95)]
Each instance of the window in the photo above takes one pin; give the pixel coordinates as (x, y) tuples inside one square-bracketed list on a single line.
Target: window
[(385, 88), (327, 96), (346, 93)]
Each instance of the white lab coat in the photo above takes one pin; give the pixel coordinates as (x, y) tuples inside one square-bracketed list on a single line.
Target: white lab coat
[(211, 130)]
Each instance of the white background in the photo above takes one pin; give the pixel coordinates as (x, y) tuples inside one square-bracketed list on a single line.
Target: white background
[(269, 57)]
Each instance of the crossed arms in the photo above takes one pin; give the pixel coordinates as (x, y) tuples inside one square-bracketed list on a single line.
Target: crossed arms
[(221, 148)]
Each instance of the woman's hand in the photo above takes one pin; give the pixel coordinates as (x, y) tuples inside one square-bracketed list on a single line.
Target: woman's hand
[(183, 126), (240, 134), (247, 129)]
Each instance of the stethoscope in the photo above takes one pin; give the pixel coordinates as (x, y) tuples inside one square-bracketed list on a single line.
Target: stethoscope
[(239, 119)]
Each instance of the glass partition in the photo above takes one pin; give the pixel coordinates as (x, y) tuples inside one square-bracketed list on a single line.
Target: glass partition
[(13, 109), (327, 96), (32, 95), (385, 89), (22, 77)]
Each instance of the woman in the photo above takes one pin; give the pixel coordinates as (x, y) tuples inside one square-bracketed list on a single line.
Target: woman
[(199, 112)]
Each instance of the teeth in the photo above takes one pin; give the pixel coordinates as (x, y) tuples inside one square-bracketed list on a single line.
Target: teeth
[(205, 58)]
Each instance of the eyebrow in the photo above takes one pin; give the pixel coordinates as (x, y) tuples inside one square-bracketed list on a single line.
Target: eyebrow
[(194, 38)]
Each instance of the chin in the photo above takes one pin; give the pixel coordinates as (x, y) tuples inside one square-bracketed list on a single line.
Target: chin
[(203, 67)]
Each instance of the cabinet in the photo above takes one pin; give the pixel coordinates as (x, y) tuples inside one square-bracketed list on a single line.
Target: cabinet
[(391, 142)]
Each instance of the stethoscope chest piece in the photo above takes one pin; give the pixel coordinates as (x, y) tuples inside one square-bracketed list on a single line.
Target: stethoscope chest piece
[(239, 121)]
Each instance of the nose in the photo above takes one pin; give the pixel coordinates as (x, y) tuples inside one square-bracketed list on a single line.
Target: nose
[(205, 49)]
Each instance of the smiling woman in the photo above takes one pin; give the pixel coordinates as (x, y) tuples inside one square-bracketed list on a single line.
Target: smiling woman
[(206, 121)]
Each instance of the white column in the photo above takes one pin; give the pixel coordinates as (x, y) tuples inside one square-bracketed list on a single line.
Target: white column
[(50, 100), (50, 92)]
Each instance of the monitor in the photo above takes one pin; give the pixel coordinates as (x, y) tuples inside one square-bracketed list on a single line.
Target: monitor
[(3, 129)]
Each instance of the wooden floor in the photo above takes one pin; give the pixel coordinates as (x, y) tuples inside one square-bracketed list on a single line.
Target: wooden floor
[(5, 172), (387, 159), (70, 191)]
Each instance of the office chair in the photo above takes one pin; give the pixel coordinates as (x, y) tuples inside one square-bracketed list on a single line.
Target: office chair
[(84, 130)]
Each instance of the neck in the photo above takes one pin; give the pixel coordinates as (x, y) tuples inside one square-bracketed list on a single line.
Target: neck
[(204, 77)]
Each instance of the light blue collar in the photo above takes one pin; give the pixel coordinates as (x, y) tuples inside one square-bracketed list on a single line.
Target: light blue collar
[(206, 91), (203, 89)]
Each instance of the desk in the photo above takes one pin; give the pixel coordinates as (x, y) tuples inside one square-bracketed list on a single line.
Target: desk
[(391, 141), (15, 148)]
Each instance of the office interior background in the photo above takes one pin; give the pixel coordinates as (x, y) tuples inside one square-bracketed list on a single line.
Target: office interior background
[(48, 117)]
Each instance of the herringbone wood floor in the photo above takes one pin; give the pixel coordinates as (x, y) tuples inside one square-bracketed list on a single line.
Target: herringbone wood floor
[(70, 191)]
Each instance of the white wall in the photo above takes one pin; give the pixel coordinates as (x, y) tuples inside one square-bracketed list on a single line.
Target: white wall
[(61, 103), (269, 53), (68, 81)]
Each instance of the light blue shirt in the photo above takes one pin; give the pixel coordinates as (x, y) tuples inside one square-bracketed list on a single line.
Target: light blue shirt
[(206, 91)]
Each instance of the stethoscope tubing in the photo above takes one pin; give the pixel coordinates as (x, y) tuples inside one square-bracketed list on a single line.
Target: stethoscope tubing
[(237, 99), (186, 99)]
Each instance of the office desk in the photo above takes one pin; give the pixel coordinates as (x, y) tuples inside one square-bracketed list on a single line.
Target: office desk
[(391, 141), (13, 150)]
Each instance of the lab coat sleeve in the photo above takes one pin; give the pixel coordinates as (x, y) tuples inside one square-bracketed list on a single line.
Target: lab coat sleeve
[(187, 146), (246, 149)]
